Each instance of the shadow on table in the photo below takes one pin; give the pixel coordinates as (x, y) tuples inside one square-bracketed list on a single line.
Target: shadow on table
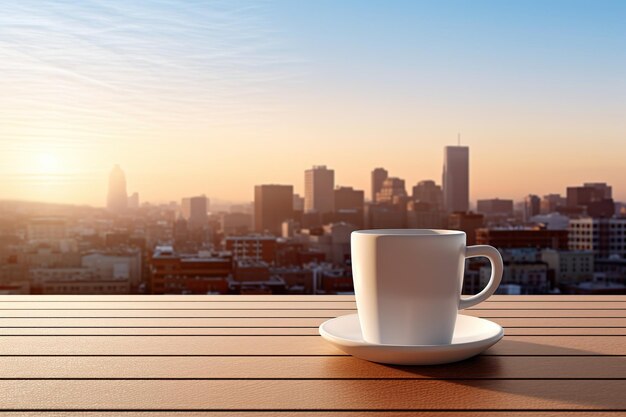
[(549, 376)]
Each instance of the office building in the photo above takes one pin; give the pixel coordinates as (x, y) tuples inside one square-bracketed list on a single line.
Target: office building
[(456, 179), (117, 199), (569, 266), (349, 206), (319, 184), (393, 191), (594, 199), (195, 211), (179, 273), (507, 238), (378, 176), (429, 192), (605, 237), (532, 206), (255, 248), (495, 207), (423, 215), (466, 222), (273, 204), (551, 203)]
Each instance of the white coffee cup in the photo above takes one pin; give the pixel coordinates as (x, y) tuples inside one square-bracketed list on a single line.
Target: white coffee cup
[(408, 283)]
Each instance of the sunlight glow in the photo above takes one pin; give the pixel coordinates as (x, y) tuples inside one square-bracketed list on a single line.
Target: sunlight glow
[(46, 163)]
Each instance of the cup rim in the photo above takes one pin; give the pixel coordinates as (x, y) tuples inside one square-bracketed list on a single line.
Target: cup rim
[(408, 232)]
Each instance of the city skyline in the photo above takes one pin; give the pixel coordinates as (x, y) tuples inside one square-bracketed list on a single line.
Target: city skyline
[(211, 98), (135, 197)]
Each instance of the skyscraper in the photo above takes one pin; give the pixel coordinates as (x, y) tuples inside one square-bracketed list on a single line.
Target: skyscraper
[(273, 204), (319, 184), (379, 175), (117, 199), (195, 211), (456, 178)]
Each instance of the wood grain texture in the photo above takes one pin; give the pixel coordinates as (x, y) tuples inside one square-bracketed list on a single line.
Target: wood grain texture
[(253, 353), (370, 413), (198, 322), (330, 367), (313, 394), (278, 345), (326, 303), (192, 313), (277, 331), (161, 298)]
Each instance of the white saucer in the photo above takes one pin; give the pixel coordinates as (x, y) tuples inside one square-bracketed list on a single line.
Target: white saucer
[(472, 335)]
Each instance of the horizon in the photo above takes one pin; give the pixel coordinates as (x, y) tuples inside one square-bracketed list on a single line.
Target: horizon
[(214, 98)]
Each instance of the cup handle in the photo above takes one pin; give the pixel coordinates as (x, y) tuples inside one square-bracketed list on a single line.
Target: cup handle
[(497, 267)]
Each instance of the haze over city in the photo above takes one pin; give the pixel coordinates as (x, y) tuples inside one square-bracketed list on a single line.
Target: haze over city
[(213, 98)]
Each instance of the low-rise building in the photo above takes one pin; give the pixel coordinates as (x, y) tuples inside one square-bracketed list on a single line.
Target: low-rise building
[(605, 237), (522, 238), (253, 247), (569, 266), (201, 273)]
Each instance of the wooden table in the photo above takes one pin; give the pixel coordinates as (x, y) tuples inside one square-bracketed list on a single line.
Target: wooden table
[(262, 356)]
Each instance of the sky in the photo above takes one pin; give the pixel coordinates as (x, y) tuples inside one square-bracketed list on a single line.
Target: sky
[(213, 97)]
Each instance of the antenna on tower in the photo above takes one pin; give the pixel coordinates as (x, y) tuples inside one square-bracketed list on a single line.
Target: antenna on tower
[(458, 139)]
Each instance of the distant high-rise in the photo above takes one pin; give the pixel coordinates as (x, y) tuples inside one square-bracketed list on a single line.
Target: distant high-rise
[(392, 190), (594, 198), (456, 178), (319, 184), (532, 206), (117, 199), (195, 211), (273, 204), (349, 206), (551, 202), (429, 192), (495, 207), (379, 175)]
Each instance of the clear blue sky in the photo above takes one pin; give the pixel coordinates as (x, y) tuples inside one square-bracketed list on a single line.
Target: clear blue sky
[(215, 96)]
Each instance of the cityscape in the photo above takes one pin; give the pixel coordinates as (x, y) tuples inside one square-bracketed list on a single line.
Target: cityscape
[(568, 242)]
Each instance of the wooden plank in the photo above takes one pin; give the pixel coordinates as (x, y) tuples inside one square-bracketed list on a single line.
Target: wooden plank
[(278, 331), (198, 322), (164, 322), (211, 305), (163, 331), (330, 367), (277, 345), (566, 313), (174, 297), (314, 394), (285, 305), (177, 313), (166, 298), (460, 413)]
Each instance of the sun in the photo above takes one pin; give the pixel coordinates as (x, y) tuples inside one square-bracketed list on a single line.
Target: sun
[(47, 163)]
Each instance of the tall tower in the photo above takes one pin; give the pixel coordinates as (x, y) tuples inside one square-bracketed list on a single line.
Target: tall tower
[(319, 184), (117, 199), (456, 178), (379, 175)]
